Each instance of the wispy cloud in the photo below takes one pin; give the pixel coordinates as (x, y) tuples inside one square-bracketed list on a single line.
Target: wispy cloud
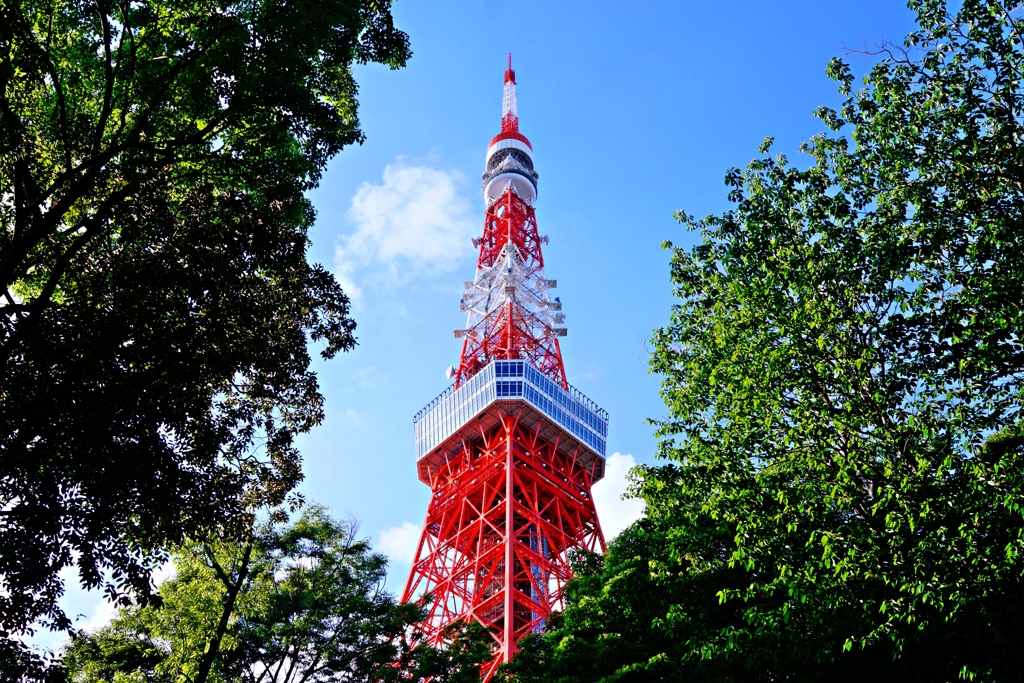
[(399, 542), (416, 221), (616, 514), (353, 418), (364, 376)]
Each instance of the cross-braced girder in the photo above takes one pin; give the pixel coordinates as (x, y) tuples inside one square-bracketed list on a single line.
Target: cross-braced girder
[(501, 522), (511, 312)]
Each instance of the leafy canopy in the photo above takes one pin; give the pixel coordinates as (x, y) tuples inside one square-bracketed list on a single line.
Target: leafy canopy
[(843, 373), (155, 298), (289, 604)]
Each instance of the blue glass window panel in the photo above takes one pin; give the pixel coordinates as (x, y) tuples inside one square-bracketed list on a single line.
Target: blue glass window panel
[(450, 411)]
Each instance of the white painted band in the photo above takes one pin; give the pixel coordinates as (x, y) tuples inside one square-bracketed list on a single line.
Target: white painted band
[(508, 143), (496, 188)]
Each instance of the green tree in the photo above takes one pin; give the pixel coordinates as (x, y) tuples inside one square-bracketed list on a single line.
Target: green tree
[(289, 604), (155, 298), (632, 616), (843, 374)]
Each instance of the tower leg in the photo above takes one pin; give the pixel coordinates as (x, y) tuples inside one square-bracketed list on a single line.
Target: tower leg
[(497, 535), (509, 634)]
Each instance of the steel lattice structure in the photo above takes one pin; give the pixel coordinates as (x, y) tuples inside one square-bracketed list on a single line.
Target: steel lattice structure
[(510, 450)]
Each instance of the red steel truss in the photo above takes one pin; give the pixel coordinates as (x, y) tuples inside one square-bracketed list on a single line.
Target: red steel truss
[(485, 554), (512, 330), (511, 486)]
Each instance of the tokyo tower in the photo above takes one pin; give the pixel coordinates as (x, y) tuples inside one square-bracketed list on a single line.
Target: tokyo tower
[(510, 451)]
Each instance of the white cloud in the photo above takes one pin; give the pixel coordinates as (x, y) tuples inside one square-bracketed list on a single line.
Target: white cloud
[(416, 221), (164, 572), (399, 542), (353, 418), (89, 610), (614, 513), (365, 376), (101, 615)]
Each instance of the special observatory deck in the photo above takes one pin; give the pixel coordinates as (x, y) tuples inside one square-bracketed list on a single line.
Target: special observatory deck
[(512, 381)]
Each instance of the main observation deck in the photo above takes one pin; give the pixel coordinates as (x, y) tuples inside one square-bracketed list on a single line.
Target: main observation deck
[(568, 418)]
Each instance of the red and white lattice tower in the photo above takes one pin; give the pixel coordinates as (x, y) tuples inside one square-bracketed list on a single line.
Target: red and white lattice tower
[(510, 450)]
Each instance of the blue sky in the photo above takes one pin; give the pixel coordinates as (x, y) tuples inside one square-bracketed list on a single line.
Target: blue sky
[(634, 110)]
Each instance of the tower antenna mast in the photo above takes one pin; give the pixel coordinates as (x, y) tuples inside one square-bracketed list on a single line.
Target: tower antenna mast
[(510, 450)]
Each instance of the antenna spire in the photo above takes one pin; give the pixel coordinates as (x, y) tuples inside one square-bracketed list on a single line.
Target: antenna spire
[(509, 108)]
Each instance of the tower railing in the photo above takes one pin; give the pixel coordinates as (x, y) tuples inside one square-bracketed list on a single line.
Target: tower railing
[(505, 380)]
